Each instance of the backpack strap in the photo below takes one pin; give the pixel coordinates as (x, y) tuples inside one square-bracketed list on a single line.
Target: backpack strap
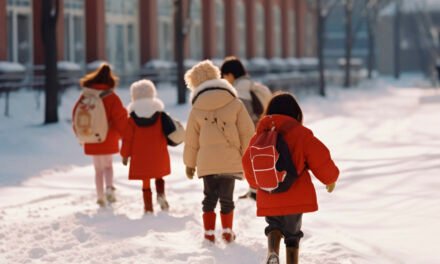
[(105, 93), (211, 89)]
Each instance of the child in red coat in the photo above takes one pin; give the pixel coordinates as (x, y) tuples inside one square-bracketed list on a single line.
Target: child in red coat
[(102, 82), (283, 211), (145, 142)]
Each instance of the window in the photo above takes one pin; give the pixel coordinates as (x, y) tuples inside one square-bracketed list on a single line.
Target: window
[(277, 27), (122, 26), (292, 33), (74, 45), (260, 30), (196, 39), (241, 21), (166, 30), (220, 28), (19, 31)]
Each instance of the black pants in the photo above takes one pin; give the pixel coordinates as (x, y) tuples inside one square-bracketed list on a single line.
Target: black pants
[(218, 187), (290, 227)]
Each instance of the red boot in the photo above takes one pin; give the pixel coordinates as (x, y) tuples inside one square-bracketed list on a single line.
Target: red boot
[(209, 224), (227, 219), (148, 203)]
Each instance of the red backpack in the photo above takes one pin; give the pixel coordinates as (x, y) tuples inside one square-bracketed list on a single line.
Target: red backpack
[(271, 162)]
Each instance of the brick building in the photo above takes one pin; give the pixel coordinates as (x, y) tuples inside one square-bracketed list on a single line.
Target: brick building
[(129, 33)]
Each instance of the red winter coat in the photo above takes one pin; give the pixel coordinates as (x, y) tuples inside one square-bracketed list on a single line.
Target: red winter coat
[(144, 142), (304, 149), (117, 119)]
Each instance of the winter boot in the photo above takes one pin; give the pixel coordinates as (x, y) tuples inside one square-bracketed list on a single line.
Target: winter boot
[(292, 255), (160, 190), (209, 225), (227, 219), (101, 202), (110, 194), (148, 203), (273, 245)]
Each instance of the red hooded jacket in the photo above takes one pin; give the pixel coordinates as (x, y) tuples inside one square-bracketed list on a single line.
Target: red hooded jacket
[(117, 118), (305, 150)]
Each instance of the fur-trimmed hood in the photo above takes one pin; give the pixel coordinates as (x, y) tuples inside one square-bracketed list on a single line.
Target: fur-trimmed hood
[(145, 107), (213, 94)]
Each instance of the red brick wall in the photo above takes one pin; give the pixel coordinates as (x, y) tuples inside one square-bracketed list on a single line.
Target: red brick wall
[(148, 23), (95, 30), (230, 27)]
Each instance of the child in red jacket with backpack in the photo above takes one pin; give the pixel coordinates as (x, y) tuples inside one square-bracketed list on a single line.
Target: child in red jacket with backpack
[(145, 142), (283, 210), (99, 118)]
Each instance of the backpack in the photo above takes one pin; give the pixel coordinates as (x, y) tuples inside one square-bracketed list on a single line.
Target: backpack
[(272, 166), (260, 96), (173, 130), (90, 119)]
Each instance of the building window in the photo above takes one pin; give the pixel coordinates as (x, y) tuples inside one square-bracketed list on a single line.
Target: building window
[(74, 46), (241, 21), (19, 31), (277, 29), (220, 28), (166, 30), (196, 39), (292, 33), (260, 30), (122, 41)]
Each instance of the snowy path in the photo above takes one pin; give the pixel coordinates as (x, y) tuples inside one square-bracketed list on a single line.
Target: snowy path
[(385, 208)]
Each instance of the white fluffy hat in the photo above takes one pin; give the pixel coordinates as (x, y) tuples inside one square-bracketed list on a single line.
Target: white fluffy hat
[(142, 89), (201, 72)]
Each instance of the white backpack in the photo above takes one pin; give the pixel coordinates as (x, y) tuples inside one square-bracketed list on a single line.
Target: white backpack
[(89, 119)]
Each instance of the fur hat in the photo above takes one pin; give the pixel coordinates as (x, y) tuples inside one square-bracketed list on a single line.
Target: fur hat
[(142, 89), (200, 73)]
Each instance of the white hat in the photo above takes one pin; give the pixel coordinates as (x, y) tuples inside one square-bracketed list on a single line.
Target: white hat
[(142, 89), (201, 72)]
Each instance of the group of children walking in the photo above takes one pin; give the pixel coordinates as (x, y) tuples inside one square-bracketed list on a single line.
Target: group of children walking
[(219, 140)]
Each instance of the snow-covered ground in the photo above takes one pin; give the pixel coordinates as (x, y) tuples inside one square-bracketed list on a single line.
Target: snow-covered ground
[(385, 139)]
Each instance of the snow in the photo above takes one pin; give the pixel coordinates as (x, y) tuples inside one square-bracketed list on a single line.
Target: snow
[(7, 66), (384, 209)]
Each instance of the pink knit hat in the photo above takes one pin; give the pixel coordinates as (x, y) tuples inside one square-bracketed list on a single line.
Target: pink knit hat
[(142, 89)]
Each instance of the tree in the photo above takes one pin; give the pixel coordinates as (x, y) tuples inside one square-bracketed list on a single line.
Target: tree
[(49, 23), (322, 11), (348, 41)]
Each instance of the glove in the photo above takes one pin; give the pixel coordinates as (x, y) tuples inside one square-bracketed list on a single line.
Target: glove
[(190, 172), (125, 161), (331, 187)]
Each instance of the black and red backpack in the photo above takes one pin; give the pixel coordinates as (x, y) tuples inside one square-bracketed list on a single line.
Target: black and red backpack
[(271, 161)]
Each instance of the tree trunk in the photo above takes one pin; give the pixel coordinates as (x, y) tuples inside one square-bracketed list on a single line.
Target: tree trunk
[(49, 23), (371, 49), (348, 41), (320, 37), (397, 22), (179, 50)]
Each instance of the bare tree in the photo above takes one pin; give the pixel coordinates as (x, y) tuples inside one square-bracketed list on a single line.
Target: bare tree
[(348, 41), (179, 50), (49, 23), (322, 10)]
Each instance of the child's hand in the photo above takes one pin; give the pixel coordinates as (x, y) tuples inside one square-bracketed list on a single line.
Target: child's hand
[(125, 161), (190, 172), (331, 187)]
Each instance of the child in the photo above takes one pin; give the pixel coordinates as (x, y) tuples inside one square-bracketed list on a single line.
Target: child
[(254, 95), (283, 211), (218, 130), (100, 84), (145, 142)]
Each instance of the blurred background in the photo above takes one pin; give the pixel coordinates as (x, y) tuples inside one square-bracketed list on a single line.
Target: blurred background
[(300, 45)]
